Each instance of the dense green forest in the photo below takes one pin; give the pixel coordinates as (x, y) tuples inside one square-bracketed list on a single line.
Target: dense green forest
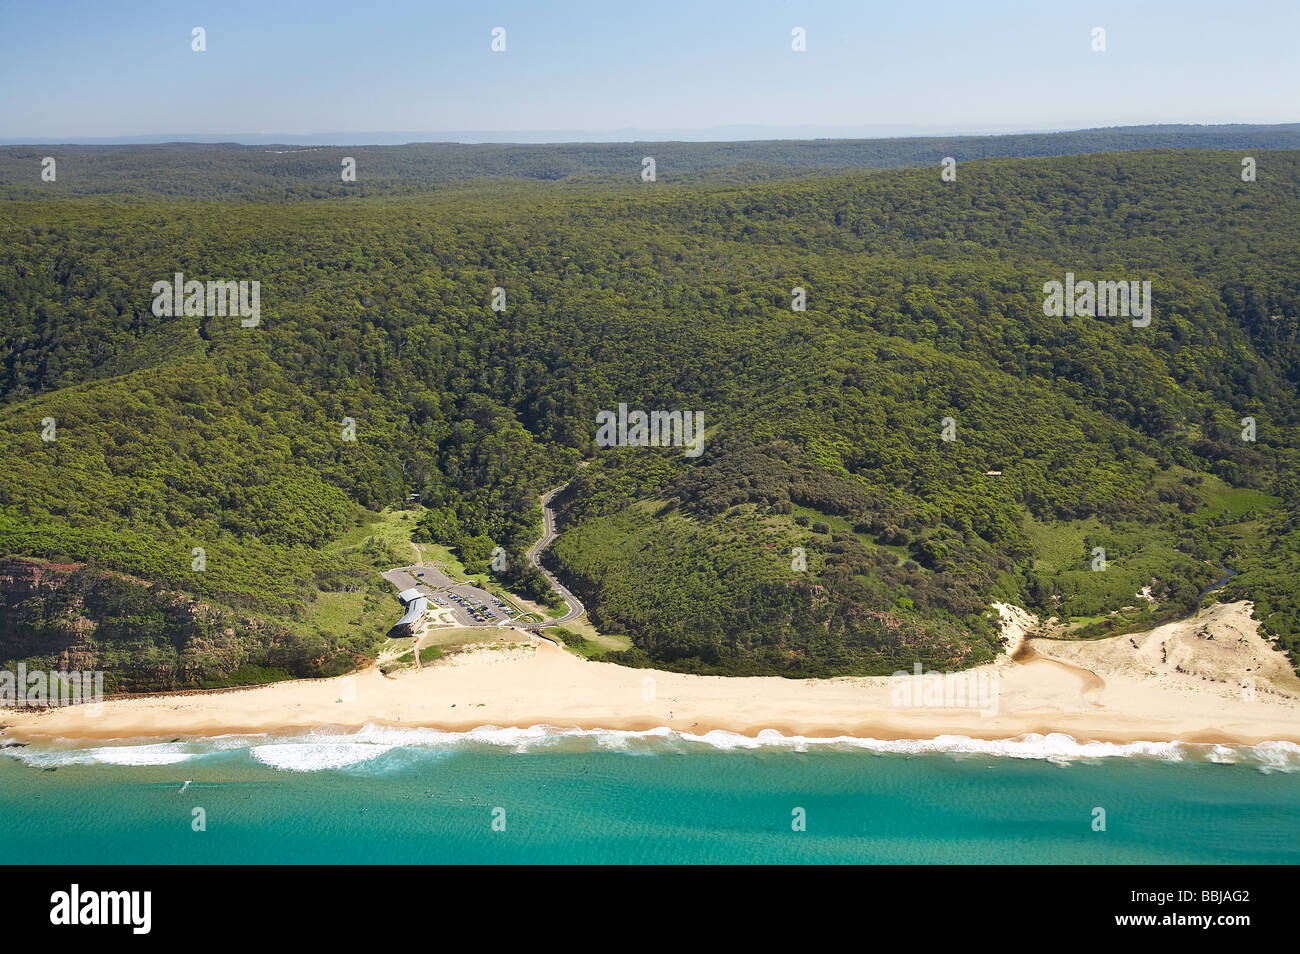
[(295, 172), (824, 427)]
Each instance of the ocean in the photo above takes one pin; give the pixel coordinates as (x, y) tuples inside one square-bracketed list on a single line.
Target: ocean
[(383, 795)]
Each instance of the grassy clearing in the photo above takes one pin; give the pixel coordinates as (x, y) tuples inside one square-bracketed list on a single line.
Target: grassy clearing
[(1224, 501), (335, 612), (583, 638), (440, 555), (391, 531), (1059, 546), (458, 637), (362, 619)]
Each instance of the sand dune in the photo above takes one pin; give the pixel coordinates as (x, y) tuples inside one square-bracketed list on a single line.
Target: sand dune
[(1208, 679)]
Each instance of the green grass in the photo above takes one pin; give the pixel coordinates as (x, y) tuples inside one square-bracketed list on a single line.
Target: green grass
[(1059, 546), (441, 556), (458, 637), (335, 612), (1224, 501), (392, 529), (583, 638), (360, 620)]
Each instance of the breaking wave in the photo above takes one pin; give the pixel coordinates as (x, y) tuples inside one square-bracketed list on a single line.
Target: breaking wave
[(323, 750)]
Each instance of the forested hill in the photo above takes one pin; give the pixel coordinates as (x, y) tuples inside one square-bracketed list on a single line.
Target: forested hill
[(827, 527), (289, 172)]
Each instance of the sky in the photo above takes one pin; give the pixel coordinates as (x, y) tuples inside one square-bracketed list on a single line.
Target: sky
[(73, 71)]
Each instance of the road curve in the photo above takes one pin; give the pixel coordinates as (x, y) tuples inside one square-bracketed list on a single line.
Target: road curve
[(576, 608)]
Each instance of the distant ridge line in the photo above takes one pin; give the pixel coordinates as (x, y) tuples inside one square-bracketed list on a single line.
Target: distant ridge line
[(716, 134)]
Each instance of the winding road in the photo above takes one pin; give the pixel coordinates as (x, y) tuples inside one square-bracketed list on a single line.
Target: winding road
[(549, 534)]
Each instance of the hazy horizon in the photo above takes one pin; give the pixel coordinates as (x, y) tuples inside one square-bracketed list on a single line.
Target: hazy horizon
[(733, 134), (581, 71)]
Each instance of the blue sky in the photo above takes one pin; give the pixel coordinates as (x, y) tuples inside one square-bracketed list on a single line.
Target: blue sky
[(112, 68)]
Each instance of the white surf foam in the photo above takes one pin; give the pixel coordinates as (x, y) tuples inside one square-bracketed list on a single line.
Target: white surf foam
[(323, 749), (317, 755), (373, 740), (161, 753)]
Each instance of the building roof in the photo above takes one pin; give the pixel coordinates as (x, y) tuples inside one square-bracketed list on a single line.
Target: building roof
[(407, 596), (414, 612)]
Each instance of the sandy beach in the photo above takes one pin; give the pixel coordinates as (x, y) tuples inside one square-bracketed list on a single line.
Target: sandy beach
[(1212, 678)]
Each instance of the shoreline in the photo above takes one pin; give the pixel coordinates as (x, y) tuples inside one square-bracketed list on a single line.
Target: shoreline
[(865, 732), (853, 734), (1179, 683)]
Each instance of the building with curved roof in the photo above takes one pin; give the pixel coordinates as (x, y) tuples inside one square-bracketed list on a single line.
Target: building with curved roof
[(415, 611)]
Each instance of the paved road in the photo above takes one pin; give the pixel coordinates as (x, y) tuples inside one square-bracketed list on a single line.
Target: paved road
[(576, 608)]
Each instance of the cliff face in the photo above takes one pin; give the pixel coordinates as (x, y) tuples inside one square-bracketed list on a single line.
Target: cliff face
[(144, 637), (21, 579), (41, 618), (66, 616)]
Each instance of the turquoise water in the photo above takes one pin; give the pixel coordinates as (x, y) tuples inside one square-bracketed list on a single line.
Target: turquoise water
[(635, 799)]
